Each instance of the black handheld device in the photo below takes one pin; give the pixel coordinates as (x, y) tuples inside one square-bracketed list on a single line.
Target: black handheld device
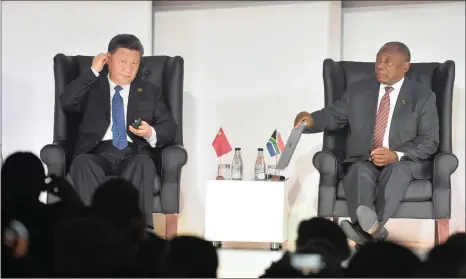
[(137, 123)]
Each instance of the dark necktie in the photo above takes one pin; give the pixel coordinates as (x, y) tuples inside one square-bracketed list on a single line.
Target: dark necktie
[(119, 139), (382, 118)]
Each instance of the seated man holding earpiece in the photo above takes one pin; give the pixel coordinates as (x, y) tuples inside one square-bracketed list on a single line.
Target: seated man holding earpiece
[(108, 144)]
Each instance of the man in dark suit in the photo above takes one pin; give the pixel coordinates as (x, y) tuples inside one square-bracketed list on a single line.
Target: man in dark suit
[(107, 143), (394, 131)]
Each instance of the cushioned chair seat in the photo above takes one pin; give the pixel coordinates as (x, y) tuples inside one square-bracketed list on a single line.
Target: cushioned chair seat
[(418, 190)]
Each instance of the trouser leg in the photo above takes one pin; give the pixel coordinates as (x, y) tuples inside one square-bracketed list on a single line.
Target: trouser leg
[(360, 185), (140, 171), (393, 183), (87, 172)]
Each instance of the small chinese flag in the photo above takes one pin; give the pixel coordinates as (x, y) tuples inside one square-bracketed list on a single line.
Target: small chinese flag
[(221, 144)]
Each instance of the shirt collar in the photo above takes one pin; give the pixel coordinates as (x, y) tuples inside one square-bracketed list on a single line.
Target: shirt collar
[(396, 86), (113, 85)]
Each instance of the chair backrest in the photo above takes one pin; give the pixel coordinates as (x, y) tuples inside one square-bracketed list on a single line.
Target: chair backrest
[(440, 77), (163, 71)]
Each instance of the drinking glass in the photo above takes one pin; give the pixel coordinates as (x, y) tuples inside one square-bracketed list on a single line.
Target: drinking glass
[(272, 172), (223, 172)]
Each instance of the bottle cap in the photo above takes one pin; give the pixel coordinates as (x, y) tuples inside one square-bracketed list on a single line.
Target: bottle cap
[(260, 149), (237, 148)]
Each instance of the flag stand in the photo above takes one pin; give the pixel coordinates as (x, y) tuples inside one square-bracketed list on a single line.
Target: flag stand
[(219, 170), (276, 164), (276, 177)]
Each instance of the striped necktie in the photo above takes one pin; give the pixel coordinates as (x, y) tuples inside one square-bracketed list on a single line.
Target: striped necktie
[(382, 118)]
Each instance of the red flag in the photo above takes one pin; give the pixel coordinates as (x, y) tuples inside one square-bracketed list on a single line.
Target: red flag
[(221, 144), (281, 146)]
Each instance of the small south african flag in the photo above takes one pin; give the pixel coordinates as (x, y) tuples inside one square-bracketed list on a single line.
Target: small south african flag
[(275, 144)]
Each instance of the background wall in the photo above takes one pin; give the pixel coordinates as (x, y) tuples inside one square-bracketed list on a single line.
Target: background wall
[(249, 70), (434, 33), (33, 32)]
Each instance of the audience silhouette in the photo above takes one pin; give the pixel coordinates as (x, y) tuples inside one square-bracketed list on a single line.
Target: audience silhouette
[(64, 238)]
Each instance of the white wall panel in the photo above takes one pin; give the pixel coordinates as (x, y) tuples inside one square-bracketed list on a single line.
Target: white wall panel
[(249, 70)]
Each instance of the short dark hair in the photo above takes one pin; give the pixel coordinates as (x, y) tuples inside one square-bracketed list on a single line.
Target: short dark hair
[(116, 201), (400, 47), (128, 41), (192, 257), (383, 259), (323, 229)]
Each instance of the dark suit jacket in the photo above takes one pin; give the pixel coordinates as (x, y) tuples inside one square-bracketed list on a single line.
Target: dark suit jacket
[(90, 96), (414, 128)]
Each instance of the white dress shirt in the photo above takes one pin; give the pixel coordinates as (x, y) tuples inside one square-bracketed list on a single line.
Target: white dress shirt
[(393, 98), (125, 95)]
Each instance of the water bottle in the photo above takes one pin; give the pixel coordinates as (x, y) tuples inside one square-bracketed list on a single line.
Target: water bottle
[(259, 167), (237, 165)]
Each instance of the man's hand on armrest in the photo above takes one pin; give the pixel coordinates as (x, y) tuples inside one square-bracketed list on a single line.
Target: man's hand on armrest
[(303, 116)]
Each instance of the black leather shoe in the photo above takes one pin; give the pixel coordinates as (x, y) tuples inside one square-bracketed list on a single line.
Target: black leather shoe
[(355, 233), (367, 219), (357, 247)]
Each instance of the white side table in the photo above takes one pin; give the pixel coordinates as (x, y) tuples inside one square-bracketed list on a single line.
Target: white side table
[(246, 211)]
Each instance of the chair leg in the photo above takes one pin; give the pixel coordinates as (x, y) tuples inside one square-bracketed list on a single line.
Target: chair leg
[(442, 230), (171, 225)]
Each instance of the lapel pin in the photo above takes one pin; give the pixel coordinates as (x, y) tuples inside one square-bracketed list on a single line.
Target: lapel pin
[(403, 102), (139, 90)]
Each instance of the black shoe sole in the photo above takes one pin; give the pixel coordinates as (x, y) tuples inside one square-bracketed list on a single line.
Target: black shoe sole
[(367, 219), (352, 233)]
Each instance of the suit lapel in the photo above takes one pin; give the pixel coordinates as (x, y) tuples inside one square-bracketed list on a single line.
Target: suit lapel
[(133, 102), (105, 96), (372, 98), (402, 105)]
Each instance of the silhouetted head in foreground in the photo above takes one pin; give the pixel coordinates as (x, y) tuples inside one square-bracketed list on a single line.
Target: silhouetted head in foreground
[(191, 257), (447, 260), (117, 201), (322, 229), (319, 239), (25, 241), (383, 260), (23, 175), (23, 178)]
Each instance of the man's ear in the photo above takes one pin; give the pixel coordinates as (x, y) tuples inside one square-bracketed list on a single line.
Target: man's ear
[(406, 66), (141, 71)]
